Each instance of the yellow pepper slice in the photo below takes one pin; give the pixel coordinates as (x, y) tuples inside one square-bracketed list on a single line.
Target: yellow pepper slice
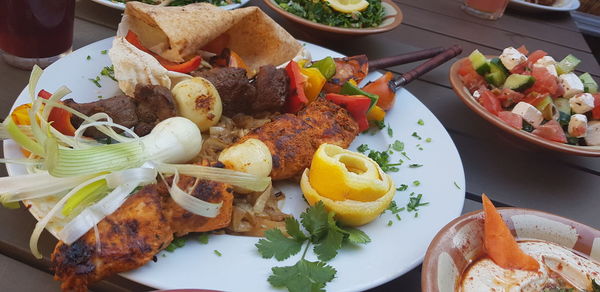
[(341, 174), (376, 114), (21, 115), (314, 82)]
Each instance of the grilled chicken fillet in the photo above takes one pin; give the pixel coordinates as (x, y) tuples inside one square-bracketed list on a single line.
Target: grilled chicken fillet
[(136, 232), (293, 139)]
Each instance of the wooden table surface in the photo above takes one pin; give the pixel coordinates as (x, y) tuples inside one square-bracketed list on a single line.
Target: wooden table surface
[(512, 172)]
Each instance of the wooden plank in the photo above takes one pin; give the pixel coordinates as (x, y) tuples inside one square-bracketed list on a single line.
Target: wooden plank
[(491, 37), (535, 27)]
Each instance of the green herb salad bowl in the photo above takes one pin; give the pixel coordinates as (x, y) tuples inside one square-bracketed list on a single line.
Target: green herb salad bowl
[(391, 19)]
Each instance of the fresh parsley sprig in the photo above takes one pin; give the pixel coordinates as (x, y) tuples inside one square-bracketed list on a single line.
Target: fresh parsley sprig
[(326, 236)]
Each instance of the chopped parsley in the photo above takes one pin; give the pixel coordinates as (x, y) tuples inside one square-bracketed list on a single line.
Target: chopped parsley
[(103, 52), (203, 238), (175, 244), (390, 131), (100, 97), (416, 183), (402, 187), (327, 238), (363, 148), (414, 134), (415, 165), (428, 140), (383, 159), (218, 253), (109, 71), (398, 146), (96, 81), (421, 122), (390, 223), (414, 202), (88, 57), (405, 155), (457, 186), (398, 217)]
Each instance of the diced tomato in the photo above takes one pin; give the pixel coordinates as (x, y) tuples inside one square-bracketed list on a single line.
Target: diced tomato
[(489, 101), (534, 57), (534, 98), (596, 110), (520, 69), (511, 119), (381, 87), (469, 77), (523, 50), (59, 118), (545, 83), (551, 131)]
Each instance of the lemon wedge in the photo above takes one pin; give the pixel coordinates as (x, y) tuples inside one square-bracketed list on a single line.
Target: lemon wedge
[(348, 6)]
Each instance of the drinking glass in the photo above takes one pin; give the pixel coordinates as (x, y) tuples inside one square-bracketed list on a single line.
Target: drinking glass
[(35, 31), (488, 9)]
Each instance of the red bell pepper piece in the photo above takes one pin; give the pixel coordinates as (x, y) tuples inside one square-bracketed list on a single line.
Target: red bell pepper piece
[(59, 118), (296, 98), (185, 67), (356, 105)]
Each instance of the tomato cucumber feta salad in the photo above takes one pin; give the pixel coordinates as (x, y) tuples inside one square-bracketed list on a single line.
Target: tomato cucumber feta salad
[(535, 93)]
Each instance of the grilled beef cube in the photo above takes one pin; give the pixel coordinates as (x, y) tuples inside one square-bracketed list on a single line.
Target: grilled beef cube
[(233, 86), (154, 103), (271, 89), (121, 109)]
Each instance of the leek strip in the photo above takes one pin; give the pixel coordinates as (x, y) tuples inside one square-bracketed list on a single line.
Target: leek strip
[(56, 96), (39, 227), (22, 139), (191, 203), (112, 157), (235, 178), (36, 73), (25, 161), (90, 216), (79, 132), (84, 195), (37, 185)]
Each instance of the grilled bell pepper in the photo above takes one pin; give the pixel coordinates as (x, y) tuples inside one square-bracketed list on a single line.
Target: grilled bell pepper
[(356, 105), (59, 118), (376, 114), (314, 82), (185, 67), (382, 88), (326, 67), (350, 89), (296, 99)]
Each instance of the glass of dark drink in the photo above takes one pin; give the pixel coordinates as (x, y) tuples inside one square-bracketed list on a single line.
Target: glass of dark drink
[(35, 31)]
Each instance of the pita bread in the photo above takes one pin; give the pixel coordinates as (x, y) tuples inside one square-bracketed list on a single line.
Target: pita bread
[(178, 33)]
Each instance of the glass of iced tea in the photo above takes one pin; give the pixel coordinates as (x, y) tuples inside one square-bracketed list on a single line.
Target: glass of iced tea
[(488, 9), (35, 31)]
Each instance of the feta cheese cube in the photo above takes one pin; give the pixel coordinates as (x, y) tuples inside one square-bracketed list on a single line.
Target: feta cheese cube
[(593, 134), (571, 84), (582, 103), (529, 113), (545, 61), (511, 58), (578, 125), (476, 94)]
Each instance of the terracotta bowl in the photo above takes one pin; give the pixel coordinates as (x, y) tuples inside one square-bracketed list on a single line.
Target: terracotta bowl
[(461, 241), (470, 101), (392, 19)]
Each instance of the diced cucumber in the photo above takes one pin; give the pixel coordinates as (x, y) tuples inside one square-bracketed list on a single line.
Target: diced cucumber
[(480, 63), (564, 110), (567, 64), (499, 65), (519, 82), (589, 84), (497, 74), (546, 108), (527, 127)]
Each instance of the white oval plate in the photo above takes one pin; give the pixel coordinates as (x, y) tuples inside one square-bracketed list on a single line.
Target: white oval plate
[(562, 5), (394, 249), (121, 6)]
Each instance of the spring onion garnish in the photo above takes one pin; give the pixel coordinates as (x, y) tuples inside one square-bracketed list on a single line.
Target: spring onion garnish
[(235, 178), (93, 180)]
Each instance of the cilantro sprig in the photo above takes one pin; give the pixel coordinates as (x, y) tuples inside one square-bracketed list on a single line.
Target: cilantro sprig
[(324, 234)]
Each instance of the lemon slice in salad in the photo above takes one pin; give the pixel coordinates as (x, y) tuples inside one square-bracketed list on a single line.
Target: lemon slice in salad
[(348, 6)]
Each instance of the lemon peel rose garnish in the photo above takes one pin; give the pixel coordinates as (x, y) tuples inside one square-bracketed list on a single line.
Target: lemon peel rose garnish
[(348, 183)]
